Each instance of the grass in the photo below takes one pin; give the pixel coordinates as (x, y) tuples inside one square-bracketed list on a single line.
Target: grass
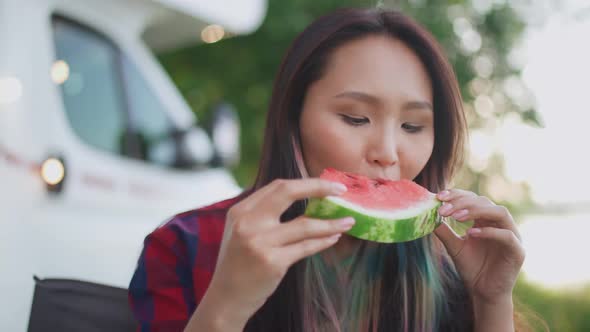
[(562, 310)]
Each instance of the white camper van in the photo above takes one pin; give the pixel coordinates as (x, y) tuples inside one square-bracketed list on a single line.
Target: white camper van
[(97, 147)]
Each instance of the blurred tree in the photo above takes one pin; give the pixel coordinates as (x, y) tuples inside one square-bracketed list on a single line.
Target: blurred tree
[(478, 37)]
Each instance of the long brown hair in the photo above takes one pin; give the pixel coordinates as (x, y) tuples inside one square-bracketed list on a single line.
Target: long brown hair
[(303, 64)]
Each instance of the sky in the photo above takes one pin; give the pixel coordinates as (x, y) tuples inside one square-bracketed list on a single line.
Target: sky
[(555, 160)]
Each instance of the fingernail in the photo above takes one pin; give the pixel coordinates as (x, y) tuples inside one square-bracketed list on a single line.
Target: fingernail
[(346, 222), (445, 208), (334, 237), (474, 231), (339, 188), (443, 194), (460, 214)]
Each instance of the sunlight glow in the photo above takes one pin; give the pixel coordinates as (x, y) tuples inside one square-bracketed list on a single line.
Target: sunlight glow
[(554, 160), (557, 249)]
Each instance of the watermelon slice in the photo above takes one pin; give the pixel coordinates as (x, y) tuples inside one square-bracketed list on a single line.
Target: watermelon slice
[(385, 211)]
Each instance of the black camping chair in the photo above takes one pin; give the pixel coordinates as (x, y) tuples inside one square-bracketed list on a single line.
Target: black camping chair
[(71, 305)]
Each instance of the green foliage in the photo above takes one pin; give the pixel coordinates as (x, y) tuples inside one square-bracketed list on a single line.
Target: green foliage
[(561, 310)]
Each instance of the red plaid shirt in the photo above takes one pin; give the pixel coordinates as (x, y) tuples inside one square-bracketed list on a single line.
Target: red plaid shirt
[(175, 268), (177, 263)]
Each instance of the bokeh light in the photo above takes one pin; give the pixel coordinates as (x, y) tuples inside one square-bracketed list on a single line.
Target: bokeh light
[(52, 171), (212, 33), (60, 71)]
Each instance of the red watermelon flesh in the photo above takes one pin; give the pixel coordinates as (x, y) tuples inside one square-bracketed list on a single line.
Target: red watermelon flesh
[(385, 210)]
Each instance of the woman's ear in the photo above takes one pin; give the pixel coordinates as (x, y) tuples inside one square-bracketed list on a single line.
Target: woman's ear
[(299, 157)]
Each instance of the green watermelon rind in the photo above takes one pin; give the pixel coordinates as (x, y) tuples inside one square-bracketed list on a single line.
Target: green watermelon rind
[(378, 229)]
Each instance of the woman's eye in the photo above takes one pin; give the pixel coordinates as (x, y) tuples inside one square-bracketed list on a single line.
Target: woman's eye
[(354, 121), (411, 128)]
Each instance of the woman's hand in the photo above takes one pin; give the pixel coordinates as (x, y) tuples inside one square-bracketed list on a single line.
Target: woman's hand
[(257, 249), (490, 256)]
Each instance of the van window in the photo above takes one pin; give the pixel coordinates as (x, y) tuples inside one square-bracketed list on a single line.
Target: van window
[(108, 102), (92, 93), (148, 116)]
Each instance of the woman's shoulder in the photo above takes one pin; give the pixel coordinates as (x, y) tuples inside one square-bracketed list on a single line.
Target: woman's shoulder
[(205, 223), (179, 257)]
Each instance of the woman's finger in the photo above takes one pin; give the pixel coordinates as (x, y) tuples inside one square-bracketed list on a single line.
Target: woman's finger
[(303, 228), (484, 213), (498, 215), (450, 194), (504, 237), (461, 200), (299, 250), (252, 200), (286, 192)]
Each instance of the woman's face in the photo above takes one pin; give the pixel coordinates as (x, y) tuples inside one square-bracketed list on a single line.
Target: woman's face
[(371, 113)]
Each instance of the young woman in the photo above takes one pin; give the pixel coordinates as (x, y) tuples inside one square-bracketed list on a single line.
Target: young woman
[(367, 91)]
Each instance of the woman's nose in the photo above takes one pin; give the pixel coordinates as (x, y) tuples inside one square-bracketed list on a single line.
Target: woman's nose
[(383, 151)]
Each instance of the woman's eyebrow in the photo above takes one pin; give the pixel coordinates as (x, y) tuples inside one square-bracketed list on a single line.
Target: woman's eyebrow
[(417, 105), (360, 96), (371, 99)]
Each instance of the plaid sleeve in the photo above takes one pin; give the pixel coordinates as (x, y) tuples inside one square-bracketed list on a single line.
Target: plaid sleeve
[(161, 291)]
